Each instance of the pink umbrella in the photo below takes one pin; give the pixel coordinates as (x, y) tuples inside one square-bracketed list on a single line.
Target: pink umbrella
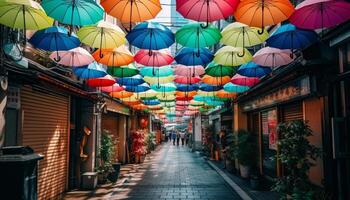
[(113, 88), (187, 80), (183, 70), (182, 103), (315, 14), (244, 81), (107, 80), (273, 57), (189, 113), (76, 57), (153, 58), (206, 10)]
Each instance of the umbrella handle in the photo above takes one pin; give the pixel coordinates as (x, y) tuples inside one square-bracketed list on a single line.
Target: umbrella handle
[(241, 54), (205, 25), (261, 31), (58, 57), (101, 54), (150, 52)]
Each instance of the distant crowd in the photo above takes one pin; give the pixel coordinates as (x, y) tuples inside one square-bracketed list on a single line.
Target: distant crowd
[(175, 136)]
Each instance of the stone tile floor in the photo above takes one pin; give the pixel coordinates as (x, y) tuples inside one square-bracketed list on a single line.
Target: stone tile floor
[(169, 173)]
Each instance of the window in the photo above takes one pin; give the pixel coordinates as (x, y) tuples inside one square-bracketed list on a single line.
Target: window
[(344, 58)]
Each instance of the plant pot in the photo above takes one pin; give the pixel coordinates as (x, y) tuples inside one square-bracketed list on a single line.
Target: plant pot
[(113, 175), (254, 182), (101, 178), (137, 158), (229, 166), (244, 170)]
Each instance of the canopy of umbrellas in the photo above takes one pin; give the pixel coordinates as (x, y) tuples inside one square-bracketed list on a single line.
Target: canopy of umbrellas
[(194, 79)]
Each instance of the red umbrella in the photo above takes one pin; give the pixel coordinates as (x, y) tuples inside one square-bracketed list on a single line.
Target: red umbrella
[(113, 88), (206, 10), (184, 98), (244, 81), (153, 58), (107, 80), (187, 80)]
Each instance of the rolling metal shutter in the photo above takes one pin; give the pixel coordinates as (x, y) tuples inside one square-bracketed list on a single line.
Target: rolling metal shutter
[(292, 112), (110, 122), (45, 129)]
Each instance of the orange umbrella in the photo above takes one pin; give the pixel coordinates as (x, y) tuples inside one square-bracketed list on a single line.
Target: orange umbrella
[(261, 13), (114, 57), (132, 103), (185, 94), (216, 80), (139, 106), (224, 94), (122, 94)]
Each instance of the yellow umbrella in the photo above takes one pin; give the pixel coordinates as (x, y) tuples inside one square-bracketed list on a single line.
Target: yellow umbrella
[(158, 80), (120, 56), (166, 96), (230, 56)]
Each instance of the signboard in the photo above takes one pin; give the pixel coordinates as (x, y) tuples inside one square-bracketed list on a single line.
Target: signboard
[(272, 129), (116, 107), (298, 88)]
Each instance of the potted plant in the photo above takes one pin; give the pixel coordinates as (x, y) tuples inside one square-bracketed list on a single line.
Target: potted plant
[(245, 151), (230, 152), (150, 142), (138, 145), (106, 153), (297, 155)]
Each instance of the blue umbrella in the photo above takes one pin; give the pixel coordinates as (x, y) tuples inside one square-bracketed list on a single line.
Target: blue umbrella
[(138, 88), (131, 81), (186, 87), (191, 56), (151, 35), (151, 102), (233, 88), (210, 88), (289, 36), (94, 70), (252, 69), (54, 38)]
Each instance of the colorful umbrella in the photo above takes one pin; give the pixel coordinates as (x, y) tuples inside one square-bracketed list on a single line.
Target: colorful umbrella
[(193, 35), (123, 71), (224, 94), (157, 72), (215, 80), (185, 94), (54, 38), (183, 70), (158, 80), (216, 70), (241, 35), (186, 87), (132, 11), (100, 82), (232, 56), (151, 102), (261, 13), (137, 88), (206, 10), (121, 94), (187, 80), (191, 56), (251, 69), (196, 103), (113, 88), (103, 35), (315, 14), (233, 88), (184, 98), (210, 88), (24, 14), (151, 36), (76, 12), (272, 57), (244, 81), (169, 97), (114, 57), (288, 36), (167, 87), (154, 58), (131, 81), (94, 70), (140, 106), (76, 57)]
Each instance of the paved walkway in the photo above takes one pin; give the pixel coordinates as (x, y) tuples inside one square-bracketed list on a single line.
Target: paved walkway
[(170, 173)]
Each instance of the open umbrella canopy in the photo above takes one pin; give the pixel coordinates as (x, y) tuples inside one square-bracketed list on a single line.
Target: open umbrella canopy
[(151, 36), (206, 11), (94, 70), (224, 94), (211, 80), (114, 57), (148, 94), (183, 70), (187, 80), (132, 11), (232, 56), (151, 102), (154, 58), (185, 94), (77, 12), (186, 87), (184, 98), (210, 88), (192, 56), (138, 88), (241, 35), (261, 13), (217, 70), (214, 103), (24, 14), (121, 94), (158, 80), (289, 36), (195, 36), (169, 97), (244, 81), (113, 88), (107, 80), (131, 81), (156, 72), (76, 57), (103, 35), (252, 69), (315, 14), (233, 88), (167, 87), (272, 57), (196, 103), (123, 71)]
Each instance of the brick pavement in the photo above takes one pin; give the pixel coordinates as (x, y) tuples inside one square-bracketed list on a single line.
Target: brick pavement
[(170, 173)]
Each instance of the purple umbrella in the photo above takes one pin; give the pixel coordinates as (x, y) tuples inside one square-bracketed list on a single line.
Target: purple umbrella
[(315, 14), (272, 57)]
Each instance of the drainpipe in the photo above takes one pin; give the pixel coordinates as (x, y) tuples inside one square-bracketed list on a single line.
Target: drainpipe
[(3, 91), (98, 112)]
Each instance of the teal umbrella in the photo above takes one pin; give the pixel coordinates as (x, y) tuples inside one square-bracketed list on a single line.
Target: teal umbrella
[(217, 70), (157, 72), (195, 36), (166, 87), (123, 71), (233, 88)]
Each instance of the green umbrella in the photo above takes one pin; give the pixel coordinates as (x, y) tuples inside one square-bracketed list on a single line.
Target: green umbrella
[(217, 70), (156, 72), (123, 71), (193, 35), (166, 87)]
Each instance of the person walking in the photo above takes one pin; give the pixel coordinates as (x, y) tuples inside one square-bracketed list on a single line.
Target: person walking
[(178, 139), (173, 136), (223, 146), (182, 136)]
